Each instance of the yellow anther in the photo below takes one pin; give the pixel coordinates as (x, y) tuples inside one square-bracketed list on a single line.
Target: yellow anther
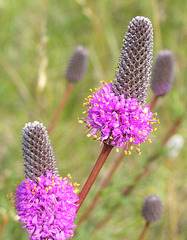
[(46, 189), (138, 105), (131, 147), (139, 132), (117, 149), (149, 140), (129, 152), (111, 137), (76, 184), (156, 114), (131, 139), (138, 149), (151, 130), (95, 136), (27, 187), (88, 135), (50, 187), (139, 153), (125, 152), (69, 176), (76, 190), (144, 130), (91, 90), (155, 129), (83, 112), (158, 121), (80, 121), (26, 181)]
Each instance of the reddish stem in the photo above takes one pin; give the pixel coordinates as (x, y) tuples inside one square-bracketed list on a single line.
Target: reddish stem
[(95, 171), (60, 107), (153, 103), (103, 186), (144, 231)]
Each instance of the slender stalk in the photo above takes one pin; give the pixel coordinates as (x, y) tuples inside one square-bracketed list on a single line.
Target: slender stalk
[(144, 231), (103, 186), (60, 107), (154, 102), (95, 171)]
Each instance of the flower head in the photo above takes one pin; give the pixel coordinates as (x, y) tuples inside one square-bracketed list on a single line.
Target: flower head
[(37, 151), (47, 206), (120, 121), (134, 68), (163, 73), (152, 208), (77, 65)]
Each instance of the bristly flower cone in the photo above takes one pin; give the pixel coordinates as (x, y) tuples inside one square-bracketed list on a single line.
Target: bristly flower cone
[(37, 151), (134, 69), (163, 73), (152, 208), (77, 65)]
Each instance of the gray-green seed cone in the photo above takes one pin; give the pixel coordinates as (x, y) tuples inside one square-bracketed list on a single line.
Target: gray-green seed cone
[(163, 73), (152, 208), (77, 65), (37, 151), (134, 68)]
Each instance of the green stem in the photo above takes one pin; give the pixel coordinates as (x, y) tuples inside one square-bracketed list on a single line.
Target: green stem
[(95, 171)]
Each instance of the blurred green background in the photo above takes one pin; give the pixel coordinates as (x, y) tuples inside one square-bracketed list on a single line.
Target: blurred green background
[(37, 39)]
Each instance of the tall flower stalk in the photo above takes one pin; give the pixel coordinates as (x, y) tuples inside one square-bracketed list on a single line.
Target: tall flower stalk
[(117, 114), (74, 73), (45, 202)]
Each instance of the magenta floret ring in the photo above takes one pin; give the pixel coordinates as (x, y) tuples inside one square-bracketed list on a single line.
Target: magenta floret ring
[(47, 206), (121, 122)]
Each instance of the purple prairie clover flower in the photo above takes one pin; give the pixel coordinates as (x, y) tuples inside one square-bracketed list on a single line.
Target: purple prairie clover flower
[(47, 206), (121, 122)]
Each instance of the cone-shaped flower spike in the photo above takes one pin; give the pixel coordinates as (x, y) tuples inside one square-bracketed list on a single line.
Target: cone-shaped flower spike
[(45, 202), (152, 208), (163, 73), (77, 65), (117, 111)]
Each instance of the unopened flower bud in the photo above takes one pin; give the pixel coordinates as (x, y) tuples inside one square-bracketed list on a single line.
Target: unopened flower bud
[(152, 208), (77, 65), (163, 73), (37, 151), (133, 72)]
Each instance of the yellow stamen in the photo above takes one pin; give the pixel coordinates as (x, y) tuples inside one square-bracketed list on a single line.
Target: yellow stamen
[(69, 176), (39, 179)]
